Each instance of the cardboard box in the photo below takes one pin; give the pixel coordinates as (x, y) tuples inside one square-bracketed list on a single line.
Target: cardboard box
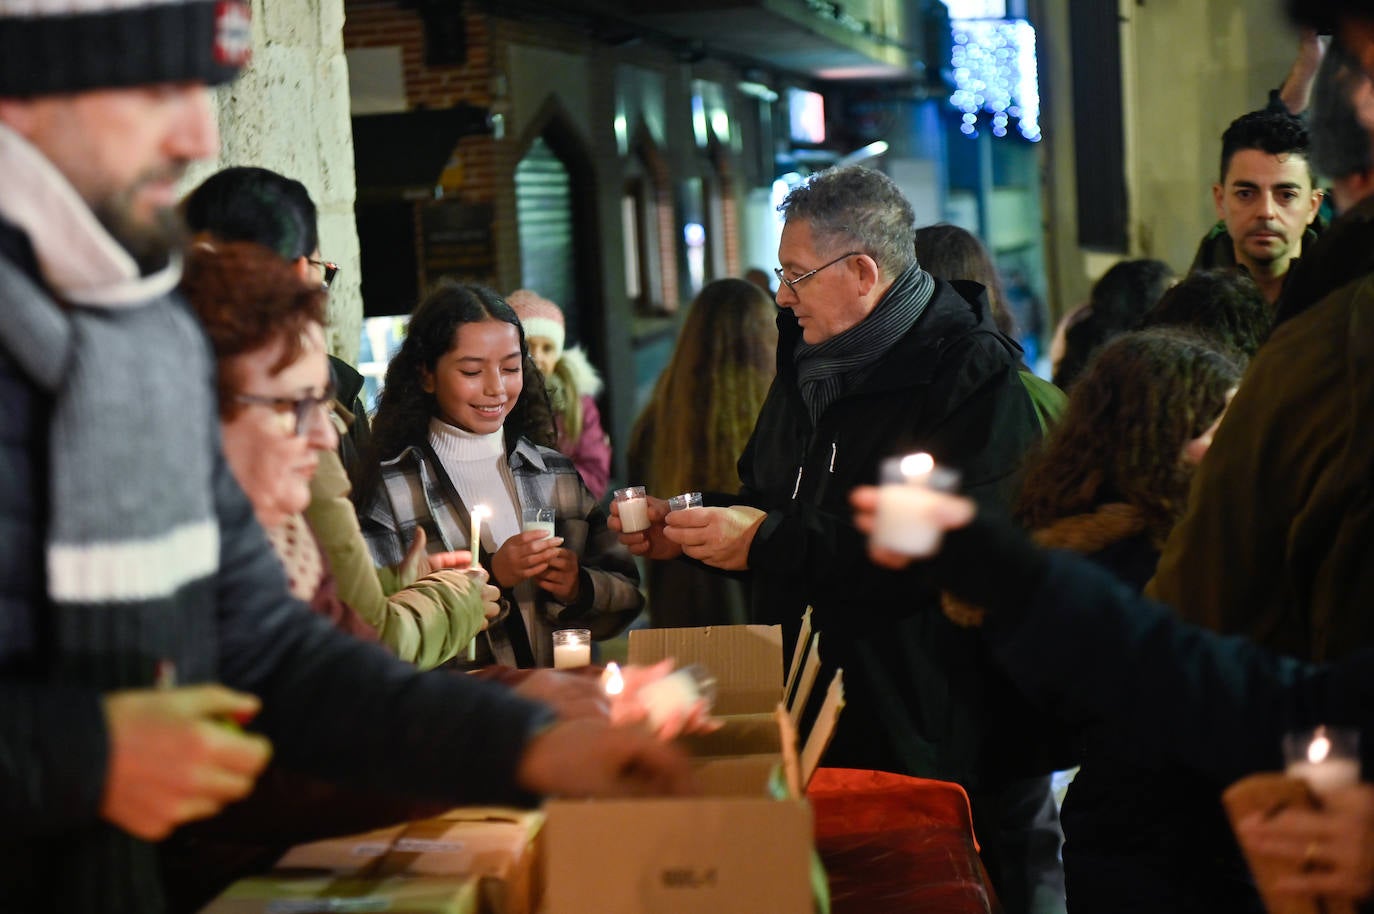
[(477, 860), (746, 845), (285, 893)]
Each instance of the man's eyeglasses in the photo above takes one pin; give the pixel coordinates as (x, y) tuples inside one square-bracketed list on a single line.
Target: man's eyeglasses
[(296, 412), (330, 270), (793, 283)]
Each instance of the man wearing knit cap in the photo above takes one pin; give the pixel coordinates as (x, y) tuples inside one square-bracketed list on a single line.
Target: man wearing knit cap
[(573, 387), (141, 607)]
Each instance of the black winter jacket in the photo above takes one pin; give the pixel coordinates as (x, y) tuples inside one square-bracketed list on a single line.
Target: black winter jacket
[(918, 687)]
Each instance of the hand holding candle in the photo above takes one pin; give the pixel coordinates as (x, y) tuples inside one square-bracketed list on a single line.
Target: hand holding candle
[(900, 525), (669, 702)]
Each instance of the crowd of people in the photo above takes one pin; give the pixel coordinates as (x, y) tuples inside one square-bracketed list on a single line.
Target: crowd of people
[(236, 611)]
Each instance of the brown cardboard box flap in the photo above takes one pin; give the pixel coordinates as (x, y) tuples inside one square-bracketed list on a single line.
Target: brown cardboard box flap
[(745, 659), (823, 730)]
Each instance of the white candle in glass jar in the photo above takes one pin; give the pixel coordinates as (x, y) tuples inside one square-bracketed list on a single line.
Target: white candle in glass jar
[(572, 648), (1327, 758), (634, 509), (903, 498)]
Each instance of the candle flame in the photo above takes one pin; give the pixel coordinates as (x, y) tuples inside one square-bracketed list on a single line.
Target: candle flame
[(481, 511), (919, 464), (612, 681), (1318, 749)]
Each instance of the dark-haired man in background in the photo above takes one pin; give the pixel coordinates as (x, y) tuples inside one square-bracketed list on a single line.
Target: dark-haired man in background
[(1266, 200)]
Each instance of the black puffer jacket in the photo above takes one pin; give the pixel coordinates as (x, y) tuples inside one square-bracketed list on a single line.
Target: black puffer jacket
[(918, 687)]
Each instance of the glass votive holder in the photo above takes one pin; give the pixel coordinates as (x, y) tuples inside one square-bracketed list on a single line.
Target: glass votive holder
[(684, 501), (634, 509), (1327, 758), (676, 693), (537, 519), (900, 525), (572, 648)]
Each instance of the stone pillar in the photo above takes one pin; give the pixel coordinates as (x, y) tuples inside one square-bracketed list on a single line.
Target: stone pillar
[(289, 112)]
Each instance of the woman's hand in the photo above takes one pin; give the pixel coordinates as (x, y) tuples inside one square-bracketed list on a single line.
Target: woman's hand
[(561, 579), (523, 556)]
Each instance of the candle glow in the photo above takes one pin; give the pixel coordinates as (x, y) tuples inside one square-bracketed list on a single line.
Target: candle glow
[(1318, 749), (917, 465), (612, 680), (475, 543)]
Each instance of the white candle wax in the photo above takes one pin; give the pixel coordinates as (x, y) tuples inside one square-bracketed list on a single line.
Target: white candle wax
[(898, 526), (546, 526), (475, 540), (674, 693), (571, 656), (1326, 775), (634, 515)]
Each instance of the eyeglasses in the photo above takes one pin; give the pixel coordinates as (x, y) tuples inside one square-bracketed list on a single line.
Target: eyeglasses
[(330, 270), (793, 283), (296, 412)]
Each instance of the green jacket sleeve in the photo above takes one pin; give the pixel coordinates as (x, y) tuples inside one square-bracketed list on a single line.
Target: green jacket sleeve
[(425, 623)]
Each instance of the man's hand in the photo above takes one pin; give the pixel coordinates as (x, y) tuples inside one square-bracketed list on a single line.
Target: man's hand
[(720, 537), (525, 555), (1296, 91), (174, 759), (651, 543), (942, 510), (561, 579), (572, 695), (1331, 849), (626, 707), (589, 757)]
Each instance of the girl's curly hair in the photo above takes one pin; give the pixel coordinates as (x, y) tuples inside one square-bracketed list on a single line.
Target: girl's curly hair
[(1141, 398), (404, 408), (691, 434)]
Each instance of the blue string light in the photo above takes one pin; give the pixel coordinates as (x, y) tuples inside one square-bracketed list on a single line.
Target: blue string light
[(994, 69)]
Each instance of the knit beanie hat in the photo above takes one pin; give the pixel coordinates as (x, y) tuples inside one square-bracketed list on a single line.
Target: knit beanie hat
[(539, 316), (49, 47)]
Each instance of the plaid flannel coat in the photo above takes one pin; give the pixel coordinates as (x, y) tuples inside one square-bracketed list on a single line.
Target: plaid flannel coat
[(413, 493)]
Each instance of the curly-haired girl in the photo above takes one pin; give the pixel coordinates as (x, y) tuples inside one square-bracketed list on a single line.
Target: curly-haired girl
[(464, 420)]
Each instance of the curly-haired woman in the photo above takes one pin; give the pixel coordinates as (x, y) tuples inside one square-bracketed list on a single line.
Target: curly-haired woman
[(464, 420), (1110, 483)]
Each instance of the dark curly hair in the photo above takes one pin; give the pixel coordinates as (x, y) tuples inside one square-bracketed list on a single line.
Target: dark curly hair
[(246, 297), (1121, 439), (1274, 132), (1223, 306), (404, 408), (1119, 299)]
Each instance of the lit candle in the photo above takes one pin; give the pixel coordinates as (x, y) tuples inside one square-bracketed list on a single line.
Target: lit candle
[(475, 547), (634, 509), (612, 680), (676, 693), (572, 648), (1326, 758), (475, 541), (902, 499)]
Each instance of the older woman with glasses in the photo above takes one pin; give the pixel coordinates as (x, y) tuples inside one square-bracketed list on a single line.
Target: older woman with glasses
[(266, 325)]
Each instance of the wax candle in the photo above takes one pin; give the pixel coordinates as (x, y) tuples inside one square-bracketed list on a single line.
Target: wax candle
[(900, 524), (684, 501), (475, 547), (1327, 758), (572, 648), (676, 693), (612, 680), (538, 519), (634, 509)]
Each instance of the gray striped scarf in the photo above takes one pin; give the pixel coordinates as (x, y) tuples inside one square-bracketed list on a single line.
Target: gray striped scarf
[(823, 369)]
